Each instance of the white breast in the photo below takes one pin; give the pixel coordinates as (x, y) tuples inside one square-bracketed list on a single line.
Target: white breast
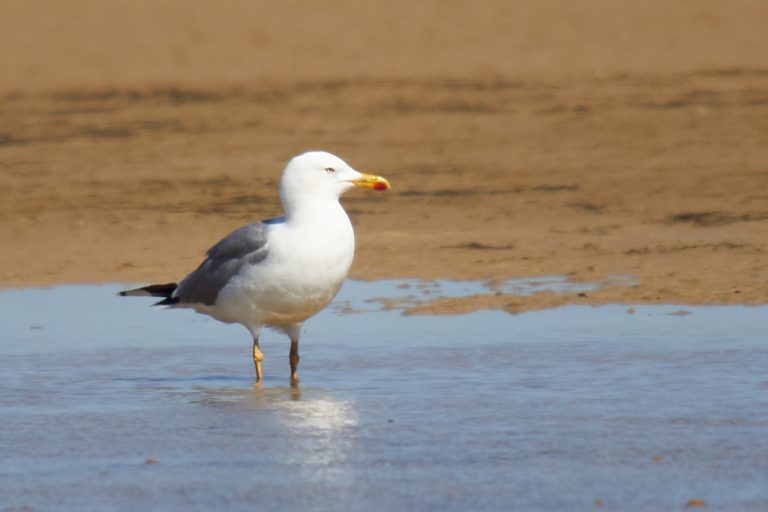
[(308, 259)]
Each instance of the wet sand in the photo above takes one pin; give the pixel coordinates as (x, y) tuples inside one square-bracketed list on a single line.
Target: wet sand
[(603, 140)]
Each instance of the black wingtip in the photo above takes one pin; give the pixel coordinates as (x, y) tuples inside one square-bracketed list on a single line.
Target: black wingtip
[(170, 301), (154, 290)]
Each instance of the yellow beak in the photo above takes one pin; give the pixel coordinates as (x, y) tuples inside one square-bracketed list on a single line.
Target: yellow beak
[(371, 181)]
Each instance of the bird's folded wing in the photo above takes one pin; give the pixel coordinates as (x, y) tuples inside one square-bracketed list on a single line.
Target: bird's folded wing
[(244, 246)]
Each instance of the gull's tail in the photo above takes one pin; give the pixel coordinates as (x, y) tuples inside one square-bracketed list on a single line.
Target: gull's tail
[(155, 290)]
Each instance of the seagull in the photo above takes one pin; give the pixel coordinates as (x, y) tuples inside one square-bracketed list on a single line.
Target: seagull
[(278, 272)]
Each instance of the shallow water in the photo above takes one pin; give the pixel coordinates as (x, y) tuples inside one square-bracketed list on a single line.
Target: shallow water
[(108, 404)]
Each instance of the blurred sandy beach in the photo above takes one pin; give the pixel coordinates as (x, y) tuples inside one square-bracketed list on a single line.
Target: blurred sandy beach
[(588, 139)]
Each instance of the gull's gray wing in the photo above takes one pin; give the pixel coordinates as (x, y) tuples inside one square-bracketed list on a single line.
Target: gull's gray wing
[(244, 246)]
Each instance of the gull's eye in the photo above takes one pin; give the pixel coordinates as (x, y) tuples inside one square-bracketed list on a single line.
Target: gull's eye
[(329, 170)]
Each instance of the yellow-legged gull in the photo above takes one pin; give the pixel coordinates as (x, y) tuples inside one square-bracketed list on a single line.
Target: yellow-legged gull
[(281, 271)]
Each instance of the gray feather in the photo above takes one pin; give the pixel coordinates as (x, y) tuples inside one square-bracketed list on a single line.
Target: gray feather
[(244, 246)]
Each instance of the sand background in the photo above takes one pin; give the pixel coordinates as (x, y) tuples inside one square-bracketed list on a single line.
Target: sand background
[(588, 139)]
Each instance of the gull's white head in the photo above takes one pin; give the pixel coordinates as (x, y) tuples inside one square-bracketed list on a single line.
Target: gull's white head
[(320, 176)]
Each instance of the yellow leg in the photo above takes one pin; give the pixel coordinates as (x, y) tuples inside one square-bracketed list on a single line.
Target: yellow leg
[(294, 359), (257, 358)]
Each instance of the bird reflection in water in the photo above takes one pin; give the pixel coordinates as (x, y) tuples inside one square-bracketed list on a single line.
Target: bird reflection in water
[(321, 426)]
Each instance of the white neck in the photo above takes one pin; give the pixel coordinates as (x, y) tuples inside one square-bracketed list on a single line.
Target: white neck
[(325, 227)]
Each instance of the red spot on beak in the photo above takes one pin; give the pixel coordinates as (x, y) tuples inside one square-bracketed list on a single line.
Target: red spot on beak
[(379, 185)]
